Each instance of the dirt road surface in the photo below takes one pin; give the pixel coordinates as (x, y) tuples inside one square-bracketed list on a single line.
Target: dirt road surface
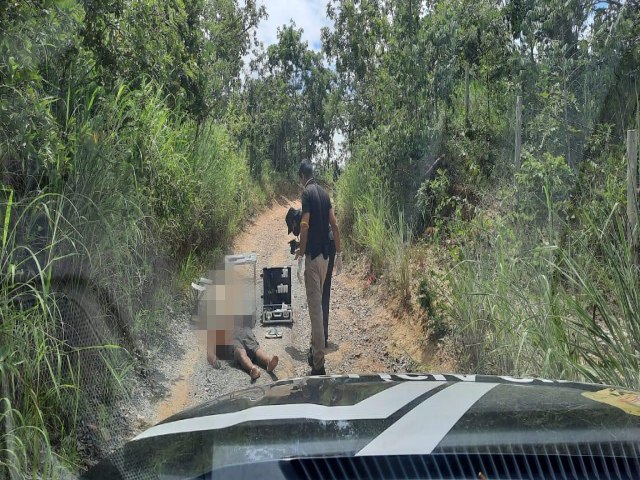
[(364, 335)]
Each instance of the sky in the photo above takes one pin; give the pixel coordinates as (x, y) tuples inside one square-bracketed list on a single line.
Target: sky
[(310, 15)]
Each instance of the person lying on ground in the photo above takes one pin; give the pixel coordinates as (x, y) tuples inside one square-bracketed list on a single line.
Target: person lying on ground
[(247, 352), (227, 315)]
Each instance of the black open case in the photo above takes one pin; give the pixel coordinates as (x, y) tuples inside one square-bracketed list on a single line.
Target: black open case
[(276, 296)]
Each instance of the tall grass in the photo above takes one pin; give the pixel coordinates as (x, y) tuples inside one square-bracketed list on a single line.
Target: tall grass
[(603, 296), (371, 230), (400, 239), (505, 313), (40, 385), (141, 193), (559, 312), (375, 227)]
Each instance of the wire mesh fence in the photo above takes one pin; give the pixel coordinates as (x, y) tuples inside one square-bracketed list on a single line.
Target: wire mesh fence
[(95, 359)]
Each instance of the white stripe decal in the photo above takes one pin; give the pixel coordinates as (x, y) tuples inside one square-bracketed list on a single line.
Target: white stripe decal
[(424, 427), (377, 406)]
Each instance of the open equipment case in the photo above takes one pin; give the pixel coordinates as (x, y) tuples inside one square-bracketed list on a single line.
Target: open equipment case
[(276, 297)]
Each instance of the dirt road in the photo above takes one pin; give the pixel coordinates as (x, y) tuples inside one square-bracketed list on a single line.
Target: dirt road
[(364, 337)]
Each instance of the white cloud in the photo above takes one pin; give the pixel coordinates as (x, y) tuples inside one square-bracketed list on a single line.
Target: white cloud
[(310, 15)]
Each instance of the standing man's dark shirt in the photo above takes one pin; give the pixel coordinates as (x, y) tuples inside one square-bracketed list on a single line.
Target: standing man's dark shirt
[(317, 203)]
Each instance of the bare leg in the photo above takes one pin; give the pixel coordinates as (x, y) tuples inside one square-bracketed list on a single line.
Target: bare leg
[(245, 363), (266, 361)]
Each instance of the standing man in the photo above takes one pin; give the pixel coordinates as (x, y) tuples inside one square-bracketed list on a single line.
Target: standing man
[(293, 219), (317, 217)]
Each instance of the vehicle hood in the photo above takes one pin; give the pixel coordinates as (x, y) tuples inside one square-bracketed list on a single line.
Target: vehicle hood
[(411, 414)]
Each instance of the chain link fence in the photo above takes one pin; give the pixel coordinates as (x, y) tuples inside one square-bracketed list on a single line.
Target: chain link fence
[(96, 358)]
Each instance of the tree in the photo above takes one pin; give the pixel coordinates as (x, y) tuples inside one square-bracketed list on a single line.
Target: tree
[(195, 51), (288, 101)]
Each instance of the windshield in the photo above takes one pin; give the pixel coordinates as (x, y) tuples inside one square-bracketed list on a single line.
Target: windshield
[(199, 197)]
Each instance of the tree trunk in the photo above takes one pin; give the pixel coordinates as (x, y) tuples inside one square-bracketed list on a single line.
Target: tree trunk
[(466, 96), (488, 97), (518, 145), (567, 135)]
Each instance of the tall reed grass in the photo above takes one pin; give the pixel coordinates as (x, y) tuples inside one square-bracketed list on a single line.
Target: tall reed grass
[(602, 295), (40, 384), (552, 311), (375, 226), (137, 194)]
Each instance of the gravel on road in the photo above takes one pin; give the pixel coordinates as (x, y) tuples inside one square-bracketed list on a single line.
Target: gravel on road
[(364, 336)]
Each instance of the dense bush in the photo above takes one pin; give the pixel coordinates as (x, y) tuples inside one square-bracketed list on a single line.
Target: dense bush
[(116, 168), (541, 279)]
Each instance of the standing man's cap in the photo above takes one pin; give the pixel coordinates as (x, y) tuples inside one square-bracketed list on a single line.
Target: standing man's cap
[(294, 215)]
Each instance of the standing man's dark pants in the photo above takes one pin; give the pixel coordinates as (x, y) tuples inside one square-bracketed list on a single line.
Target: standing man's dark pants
[(326, 291)]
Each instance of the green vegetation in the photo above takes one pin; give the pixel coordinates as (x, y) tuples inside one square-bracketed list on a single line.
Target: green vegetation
[(133, 147), (287, 107), (118, 167), (542, 275)]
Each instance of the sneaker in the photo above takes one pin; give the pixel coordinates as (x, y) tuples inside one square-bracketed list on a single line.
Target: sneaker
[(271, 366), (320, 371)]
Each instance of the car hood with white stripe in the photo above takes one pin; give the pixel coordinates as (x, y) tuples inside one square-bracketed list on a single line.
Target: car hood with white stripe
[(361, 415)]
